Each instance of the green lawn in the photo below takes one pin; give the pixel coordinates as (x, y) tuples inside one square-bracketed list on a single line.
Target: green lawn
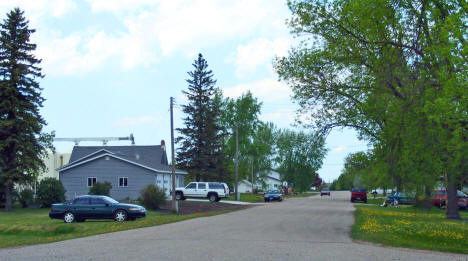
[(301, 195), (411, 227), (254, 198), (247, 197), (33, 226)]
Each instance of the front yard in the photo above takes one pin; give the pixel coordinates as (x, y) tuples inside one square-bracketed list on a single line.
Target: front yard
[(411, 227), (254, 198), (33, 225)]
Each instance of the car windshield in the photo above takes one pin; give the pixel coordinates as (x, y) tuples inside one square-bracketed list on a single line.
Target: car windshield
[(272, 192), (110, 200)]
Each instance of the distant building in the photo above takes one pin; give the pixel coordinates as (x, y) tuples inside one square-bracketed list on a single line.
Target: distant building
[(53, 161), (271, 181), (244, 186)]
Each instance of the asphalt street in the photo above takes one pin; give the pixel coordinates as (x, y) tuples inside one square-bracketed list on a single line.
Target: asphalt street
[(314, 228)]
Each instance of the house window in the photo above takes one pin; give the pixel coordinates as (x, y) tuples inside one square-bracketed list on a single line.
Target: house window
[(123, 182), (91, 181), (165, 182)]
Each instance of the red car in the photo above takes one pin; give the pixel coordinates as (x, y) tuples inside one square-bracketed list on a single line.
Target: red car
[(359, 194), (439, 198)]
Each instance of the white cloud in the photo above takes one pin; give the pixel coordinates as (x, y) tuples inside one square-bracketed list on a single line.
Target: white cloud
[(339, 148), (268, 90), (283, 118), (119, 6), (56, 8), (257, 53), (152, 28), (135, 121)]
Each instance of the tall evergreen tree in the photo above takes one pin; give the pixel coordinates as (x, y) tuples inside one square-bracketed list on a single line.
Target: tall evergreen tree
[(201, 138), (22, 142)]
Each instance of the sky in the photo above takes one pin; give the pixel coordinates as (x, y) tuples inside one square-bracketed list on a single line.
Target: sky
[(111, 66)]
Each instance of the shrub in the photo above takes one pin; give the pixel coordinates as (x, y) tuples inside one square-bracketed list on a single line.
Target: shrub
[(25, 197), (152, 197), (50, 191), (100, 188)]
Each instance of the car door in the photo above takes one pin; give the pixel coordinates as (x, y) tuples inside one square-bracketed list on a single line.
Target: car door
[(81, 207), (201, 190), (190, 189), (100, 208)]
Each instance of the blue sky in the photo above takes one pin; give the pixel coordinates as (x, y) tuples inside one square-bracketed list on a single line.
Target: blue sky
[(111, 65)]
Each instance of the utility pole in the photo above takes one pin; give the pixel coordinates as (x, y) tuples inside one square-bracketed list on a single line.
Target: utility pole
[(237, 162), (252, 176), (175, 206)]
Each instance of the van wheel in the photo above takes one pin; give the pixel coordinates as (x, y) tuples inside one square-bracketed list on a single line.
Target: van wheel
[(213, 197), (179, 196)]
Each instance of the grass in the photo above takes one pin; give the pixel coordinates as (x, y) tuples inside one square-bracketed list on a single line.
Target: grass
[(247, 197), (301, 195), (411, 227), (33, 226), (254, 198)]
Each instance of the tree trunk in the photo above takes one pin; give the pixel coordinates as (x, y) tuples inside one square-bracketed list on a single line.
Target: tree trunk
[(452, 208), (8, 198)]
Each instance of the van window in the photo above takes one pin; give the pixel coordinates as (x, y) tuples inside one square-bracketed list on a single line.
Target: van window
[(191, 186)]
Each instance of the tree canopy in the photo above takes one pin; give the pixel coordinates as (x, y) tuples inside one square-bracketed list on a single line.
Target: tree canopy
[(395, 71), (201, 140)]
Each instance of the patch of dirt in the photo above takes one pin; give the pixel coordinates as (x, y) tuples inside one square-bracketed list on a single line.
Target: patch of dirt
[(193, 207)]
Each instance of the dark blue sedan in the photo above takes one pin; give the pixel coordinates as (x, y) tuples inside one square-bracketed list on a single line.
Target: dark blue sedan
[(95, 207), (273, 195), (400, 198)]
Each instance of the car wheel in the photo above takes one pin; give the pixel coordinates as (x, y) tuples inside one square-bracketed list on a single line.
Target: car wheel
[(120, 215), (213, 197), (365, 201), (352, 201), (179, 196), (69, 217), (280, 199), (218, 199)]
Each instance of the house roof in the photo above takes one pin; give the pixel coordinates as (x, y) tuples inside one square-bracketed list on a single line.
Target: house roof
[(273, 178), (150, 157)]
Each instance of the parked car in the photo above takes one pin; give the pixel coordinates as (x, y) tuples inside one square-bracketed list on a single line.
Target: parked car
[(272, 194), (401, 198), (95, 207), (439, 198), (358, 194), (325, 191), (462, 201), (213, 191)]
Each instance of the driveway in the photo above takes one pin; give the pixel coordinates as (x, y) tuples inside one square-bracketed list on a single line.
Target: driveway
[(311, 228)]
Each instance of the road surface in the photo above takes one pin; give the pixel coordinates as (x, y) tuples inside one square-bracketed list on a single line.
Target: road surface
[(311, 228)]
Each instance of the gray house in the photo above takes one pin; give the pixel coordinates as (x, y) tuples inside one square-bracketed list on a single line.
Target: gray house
[(128, 168)]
